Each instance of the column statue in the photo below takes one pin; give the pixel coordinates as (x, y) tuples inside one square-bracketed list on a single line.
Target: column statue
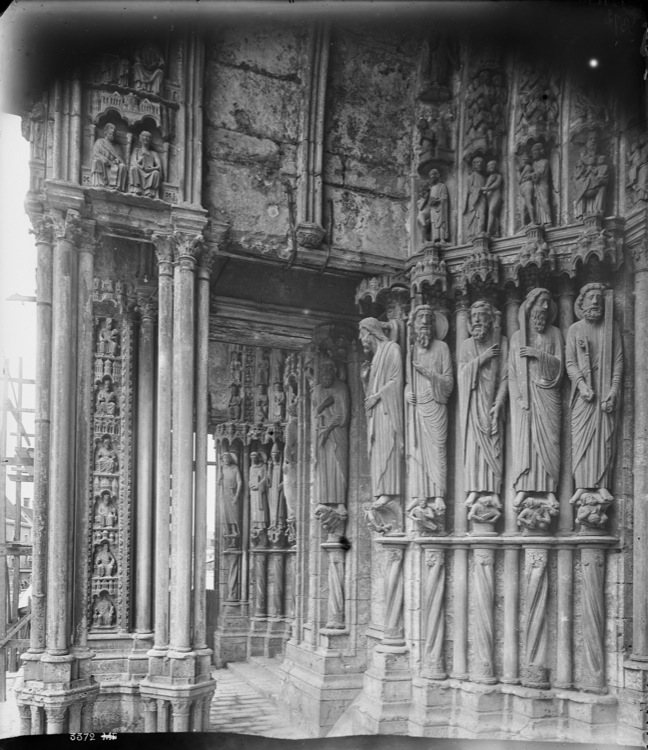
[(594, 360), (483, 385), (383, 385), (430, 383), (231, 484), (331, 417), (536, 364)]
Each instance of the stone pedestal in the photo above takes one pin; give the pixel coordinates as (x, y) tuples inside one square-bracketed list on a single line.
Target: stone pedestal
[(319, 684), (232, 633)]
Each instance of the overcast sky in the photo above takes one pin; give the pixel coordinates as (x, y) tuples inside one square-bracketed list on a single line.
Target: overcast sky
[(17, 250)]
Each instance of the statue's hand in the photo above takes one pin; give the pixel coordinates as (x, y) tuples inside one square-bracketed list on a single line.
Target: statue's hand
[(610, 402), (371, 401), (523, 406), (493, 351), (410, 398), (529, 351), (585, 391)]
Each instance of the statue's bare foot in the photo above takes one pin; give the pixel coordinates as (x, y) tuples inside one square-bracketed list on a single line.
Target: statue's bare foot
[(576, 496), (439, 504), (605, 494), (518, 499), (471, 498), (381, 501)]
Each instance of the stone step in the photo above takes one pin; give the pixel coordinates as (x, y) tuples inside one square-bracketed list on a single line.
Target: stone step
[(261, 673)]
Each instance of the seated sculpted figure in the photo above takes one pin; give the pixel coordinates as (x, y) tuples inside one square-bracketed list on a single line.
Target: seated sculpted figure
[(145, 168), (108, 167)]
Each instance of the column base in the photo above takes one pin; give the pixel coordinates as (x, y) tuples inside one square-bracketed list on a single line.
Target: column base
[(177, 691), (231, 635), (60, 692)]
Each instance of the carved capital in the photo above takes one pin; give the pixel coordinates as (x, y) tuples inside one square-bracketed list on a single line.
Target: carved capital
[(164, 249), (640, 256), (207, 259), (146, 305), (150, 704), (56, 714), (67, 227), (187, 248), (42, 228), (333, 519), (180, 708)]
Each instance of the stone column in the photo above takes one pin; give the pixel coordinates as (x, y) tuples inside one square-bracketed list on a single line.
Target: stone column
[(62, 433), (535, 670), (510, 666), (513, 300), (25, 718), (37, 720), (394, 626), (565, 554), (181, 711), (261, 583), (335, 608), (150, 714), (43, 229), (640, 513), (592, 677), (460, 583), (200, 515), (566, 484), (163, 707), (565, 620), (86, 717), (164, 244), (433, 613), (275, 604), (484, 617), (56, 716), (183, 437), (144, 479)]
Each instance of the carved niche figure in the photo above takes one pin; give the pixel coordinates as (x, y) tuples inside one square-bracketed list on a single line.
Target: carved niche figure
[(105, 513), (104, 561), (484, 109), (278, 403), (145, 170), (263, 370), (331, 416), (527, 189), (236, 367), (483, 385), (591, 176), (537, 102), (591, 511), (103, 613), (536, 364), (475, 207), (231, 484), (234, 404), (108, 338), (594, 361), (106, 459), (275, 487), (430, 383), (493, 190), (290, 460), (437, 62), (148, 68), (383, 385), (433, 212), (537, 513), (105, 402), (108, 167), (638, 169), (258, 491), (541, 185), (261, 404)]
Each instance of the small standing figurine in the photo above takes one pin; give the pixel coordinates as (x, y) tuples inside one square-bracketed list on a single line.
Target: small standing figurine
[(433, 209), (493, 191)]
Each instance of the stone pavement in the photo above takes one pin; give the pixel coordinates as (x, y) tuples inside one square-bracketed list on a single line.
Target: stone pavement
[(9, 716), (243, 702)]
